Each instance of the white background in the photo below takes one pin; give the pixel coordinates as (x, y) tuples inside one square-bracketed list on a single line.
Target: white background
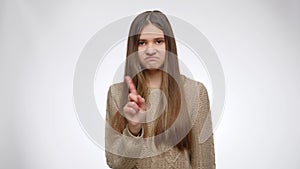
[(257, 43)]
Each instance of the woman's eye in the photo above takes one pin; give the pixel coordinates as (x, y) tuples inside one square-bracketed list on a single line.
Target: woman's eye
[(141, 43), (159, 41)]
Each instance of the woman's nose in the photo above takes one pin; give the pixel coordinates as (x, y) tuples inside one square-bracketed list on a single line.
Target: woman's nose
[(150, 50)]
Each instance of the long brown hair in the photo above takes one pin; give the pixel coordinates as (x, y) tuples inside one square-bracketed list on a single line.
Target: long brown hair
[(171, 84)]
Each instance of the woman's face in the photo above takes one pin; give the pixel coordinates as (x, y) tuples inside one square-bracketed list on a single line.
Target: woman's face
[(151, 47)]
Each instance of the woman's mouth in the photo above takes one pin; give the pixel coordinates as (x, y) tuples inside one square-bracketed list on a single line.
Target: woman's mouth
[(150, 58)]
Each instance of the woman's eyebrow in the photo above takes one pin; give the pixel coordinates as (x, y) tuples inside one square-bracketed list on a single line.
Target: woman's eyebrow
[(159, 38), (156, 38)]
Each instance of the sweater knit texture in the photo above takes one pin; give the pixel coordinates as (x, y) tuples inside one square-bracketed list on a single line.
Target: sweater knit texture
[(125, 151)]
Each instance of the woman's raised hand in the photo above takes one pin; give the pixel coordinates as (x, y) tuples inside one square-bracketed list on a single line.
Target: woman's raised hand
[(135, 109)]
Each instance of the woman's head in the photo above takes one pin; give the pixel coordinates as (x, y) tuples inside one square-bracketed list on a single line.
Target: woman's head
[(157, 23)]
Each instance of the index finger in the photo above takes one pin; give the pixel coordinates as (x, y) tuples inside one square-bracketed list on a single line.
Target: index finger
[(130, 85)]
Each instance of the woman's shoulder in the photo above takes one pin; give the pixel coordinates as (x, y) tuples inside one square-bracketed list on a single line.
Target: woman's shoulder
[(190, 84), (117, 87), (115, 92)]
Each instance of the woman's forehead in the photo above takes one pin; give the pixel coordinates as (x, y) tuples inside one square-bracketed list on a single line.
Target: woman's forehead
[(150, 29)]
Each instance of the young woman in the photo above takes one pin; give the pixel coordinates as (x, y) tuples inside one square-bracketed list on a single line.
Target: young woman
[(155, 118)]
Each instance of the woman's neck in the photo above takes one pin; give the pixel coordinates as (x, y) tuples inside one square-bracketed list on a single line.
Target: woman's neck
[(153, 78)]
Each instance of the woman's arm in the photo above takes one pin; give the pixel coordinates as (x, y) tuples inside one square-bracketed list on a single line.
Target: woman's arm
[(202, 148), (119, 147)]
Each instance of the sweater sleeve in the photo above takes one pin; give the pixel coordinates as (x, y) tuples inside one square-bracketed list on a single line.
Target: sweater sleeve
[(202, 148), (119, 147)]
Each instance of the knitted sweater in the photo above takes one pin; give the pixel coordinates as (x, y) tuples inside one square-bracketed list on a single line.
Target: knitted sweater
[(125, 151)]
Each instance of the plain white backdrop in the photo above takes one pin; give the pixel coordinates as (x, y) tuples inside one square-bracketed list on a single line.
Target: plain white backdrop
[(257, 43)]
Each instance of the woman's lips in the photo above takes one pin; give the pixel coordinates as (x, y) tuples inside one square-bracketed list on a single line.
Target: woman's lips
[(151, 58)]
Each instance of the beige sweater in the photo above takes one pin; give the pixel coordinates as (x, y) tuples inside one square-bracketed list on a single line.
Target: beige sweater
[(124, 151)]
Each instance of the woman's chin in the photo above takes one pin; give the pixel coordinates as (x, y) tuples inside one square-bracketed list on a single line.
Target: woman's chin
[(153, 67)]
